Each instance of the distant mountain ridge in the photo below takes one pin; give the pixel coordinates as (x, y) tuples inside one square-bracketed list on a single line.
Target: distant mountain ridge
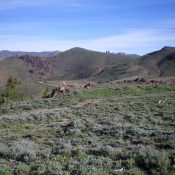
[(6, 53), (75, 63), (79, 63)]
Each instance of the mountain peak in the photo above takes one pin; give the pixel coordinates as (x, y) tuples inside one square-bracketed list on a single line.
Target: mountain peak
[(167, 48), (76, 49)]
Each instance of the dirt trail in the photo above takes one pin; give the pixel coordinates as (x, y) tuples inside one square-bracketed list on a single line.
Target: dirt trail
[(48, 84)]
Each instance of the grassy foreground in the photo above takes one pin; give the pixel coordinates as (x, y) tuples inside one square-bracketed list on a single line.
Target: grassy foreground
[(117, 131), (80, 96)]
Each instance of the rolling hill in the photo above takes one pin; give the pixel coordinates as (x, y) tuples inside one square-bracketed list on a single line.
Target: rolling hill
[(76, 63), (159, 63), (79, 63), (25, 68)]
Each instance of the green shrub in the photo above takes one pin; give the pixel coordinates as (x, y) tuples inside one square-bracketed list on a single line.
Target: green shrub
[(128, 163), (46, 91), (10, 88), (47, 168), (91, 170), (22, 150), (4, 150), (21, 169), (5, 170), (152, 160), (133, 171)]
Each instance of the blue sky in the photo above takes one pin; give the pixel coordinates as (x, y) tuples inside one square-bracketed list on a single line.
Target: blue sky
[(131, 26)]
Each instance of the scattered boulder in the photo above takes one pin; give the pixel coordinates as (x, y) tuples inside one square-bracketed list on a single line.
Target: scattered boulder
[(141, 79), (61, 90), (89, 85)]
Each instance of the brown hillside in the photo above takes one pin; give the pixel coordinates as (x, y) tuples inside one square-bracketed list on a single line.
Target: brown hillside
[(25, 69), (160, 63), (78, 63)]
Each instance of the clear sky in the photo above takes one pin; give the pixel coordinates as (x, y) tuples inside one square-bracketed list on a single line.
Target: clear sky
[(131, 26)]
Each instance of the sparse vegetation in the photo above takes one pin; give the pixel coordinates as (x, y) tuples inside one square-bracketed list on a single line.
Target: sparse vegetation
[(95, 131), (81, 96), (81, 111), (104, 129)]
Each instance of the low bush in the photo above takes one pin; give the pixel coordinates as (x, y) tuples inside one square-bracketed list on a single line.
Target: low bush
[(5, 169), (21, 150), (152, 160)]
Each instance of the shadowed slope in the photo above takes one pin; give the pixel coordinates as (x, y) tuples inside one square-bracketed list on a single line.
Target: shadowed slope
[(160, 63), (78, 63)]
